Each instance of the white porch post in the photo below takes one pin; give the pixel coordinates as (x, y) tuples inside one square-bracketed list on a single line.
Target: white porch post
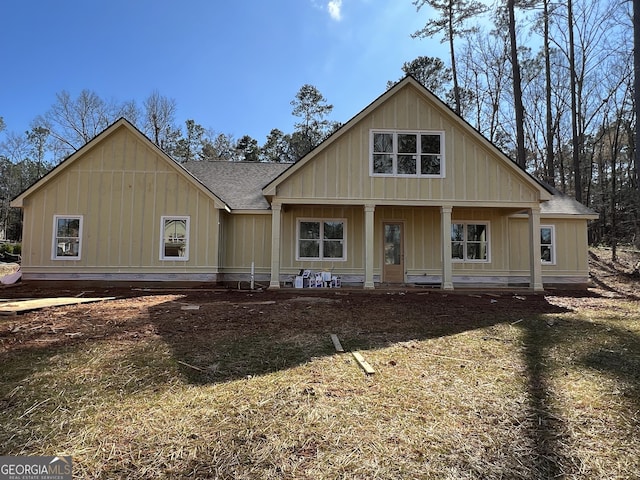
[(535, 265), (368, 246), (445, 222), (276, 210)]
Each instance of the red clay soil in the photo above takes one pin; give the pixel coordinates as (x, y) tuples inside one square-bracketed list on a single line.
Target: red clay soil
[(191, 317)]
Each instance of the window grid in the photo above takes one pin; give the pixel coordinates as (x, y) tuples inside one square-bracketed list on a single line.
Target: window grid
[(67, 237), (174, 238), (321, 239), (407, 153), (547, 245), (470, 242)]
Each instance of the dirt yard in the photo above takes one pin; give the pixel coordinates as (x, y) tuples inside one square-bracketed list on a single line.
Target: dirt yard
[(221, 383), (190, 316)]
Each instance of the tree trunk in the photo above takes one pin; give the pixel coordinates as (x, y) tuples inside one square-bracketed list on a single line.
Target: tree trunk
[(517, 88), (454, 70), (636, 93), (575, 142), (549, 114)]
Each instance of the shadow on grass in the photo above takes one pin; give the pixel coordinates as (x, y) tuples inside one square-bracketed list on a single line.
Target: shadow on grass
[(252, 335), (235, 335), (547, 430), (549, 345)]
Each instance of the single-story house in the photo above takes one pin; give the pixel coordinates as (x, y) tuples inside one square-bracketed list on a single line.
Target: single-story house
[(406, 192)]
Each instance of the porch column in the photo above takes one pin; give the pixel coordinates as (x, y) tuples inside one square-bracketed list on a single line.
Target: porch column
[(535, 264), (368, 246), (445, 222), (276, 210)]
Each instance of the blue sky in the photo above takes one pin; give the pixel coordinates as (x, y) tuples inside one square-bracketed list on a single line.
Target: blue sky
[(232, 66)]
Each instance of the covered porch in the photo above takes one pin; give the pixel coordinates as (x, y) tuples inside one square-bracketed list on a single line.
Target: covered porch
[(446, 245)]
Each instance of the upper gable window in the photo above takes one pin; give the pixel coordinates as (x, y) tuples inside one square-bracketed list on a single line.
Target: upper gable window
[(407, 153)]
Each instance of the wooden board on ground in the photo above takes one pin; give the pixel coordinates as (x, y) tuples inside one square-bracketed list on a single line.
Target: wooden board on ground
[(336, 343), (15, 306), (363, 363)]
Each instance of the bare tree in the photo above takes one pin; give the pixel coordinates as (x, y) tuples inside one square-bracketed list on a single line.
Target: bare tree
[(521, 153), (72, 122), (636, 93), (159, 119)]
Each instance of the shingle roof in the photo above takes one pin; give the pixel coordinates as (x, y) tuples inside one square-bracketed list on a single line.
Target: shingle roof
[(561, 204), (239, 184)]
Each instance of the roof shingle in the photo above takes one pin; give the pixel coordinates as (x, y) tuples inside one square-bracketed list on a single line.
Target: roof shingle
[(238, 184)]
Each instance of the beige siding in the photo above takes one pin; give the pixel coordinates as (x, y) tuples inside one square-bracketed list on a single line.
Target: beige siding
[(246, 238), (571, 245), (473, 172), (422, 240), (122, 186), (354, 217)]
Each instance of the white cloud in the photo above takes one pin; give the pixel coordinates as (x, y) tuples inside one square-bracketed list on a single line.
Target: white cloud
[(335, 7)]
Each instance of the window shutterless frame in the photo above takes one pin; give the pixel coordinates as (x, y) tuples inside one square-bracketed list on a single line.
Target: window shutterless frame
[(548, 244), (407, 153), (174, 238), (470, 241), (321, 239), (67, 237)]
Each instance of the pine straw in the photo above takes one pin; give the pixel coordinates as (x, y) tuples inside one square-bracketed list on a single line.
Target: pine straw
[(535, 396), (8, 268)]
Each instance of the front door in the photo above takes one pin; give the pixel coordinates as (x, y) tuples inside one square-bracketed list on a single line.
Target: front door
[(393, 256)]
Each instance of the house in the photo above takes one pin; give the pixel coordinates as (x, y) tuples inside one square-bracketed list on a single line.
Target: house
[(406, 192)]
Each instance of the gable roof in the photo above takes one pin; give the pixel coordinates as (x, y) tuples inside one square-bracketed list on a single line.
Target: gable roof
[(18, 201), (545, 193), (239, 184)]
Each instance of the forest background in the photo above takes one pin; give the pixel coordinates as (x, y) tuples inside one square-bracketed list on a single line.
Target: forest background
[(551, 84)]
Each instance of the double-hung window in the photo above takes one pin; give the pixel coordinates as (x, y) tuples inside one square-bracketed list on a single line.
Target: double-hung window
[(67, 237), (547, 244), (470, 241), (407, 154), (321, 239), (174, 235)]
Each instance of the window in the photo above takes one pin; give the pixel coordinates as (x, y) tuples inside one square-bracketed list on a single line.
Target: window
[(174, 236), (67, 237), (407, 154), (547, 244), (470, 242), (321, 240)]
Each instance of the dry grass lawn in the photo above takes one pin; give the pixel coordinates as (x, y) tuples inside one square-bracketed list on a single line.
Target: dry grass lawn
[(467, 386)]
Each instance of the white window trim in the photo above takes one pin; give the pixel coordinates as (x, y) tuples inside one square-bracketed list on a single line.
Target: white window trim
[(487, 224), (54, 241), (186, 241), (552, 261), (395, 133), (321, 258)]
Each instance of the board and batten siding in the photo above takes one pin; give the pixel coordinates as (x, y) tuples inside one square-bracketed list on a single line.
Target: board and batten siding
[(245, 239), (422, 241), (122, 187), (473, 173), (571, 244)]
